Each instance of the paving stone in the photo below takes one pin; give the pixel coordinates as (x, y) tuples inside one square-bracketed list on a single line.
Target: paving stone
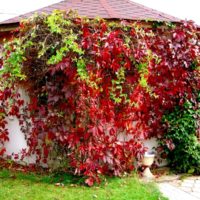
[(192, 178), (189, 181), (186, 189), (196, 194), (167, 178), (174, 193), (197, 181), (197, 185), (187, 184), (194, 189)]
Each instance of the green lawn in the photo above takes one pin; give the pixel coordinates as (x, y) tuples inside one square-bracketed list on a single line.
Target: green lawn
[(20, 186)]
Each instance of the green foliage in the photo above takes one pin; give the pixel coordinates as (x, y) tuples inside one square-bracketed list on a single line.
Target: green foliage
[(69, 45), (116, 93), (180, 143), (81, 69), (55, 20), (143, 69), (58, 24), (12, 65)]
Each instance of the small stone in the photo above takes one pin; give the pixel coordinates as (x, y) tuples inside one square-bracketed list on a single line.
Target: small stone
[(197, 182), (186, 189), (57, 184), (197, 185), (196, 194), (73, 185), (189, 181), (196, 190), (187, 184)]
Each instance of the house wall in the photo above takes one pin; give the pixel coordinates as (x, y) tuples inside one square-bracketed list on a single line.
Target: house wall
[(17, 140)]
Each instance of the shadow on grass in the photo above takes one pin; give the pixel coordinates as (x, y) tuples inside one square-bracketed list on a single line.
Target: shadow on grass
[(52, 178)]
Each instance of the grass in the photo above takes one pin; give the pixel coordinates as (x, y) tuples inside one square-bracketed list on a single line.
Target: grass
[(30, 186)]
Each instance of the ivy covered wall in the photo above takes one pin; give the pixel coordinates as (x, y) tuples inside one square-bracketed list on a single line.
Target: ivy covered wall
[(89, 81)]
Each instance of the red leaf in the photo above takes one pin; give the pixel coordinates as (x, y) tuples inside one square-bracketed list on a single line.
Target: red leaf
[(90, 181)]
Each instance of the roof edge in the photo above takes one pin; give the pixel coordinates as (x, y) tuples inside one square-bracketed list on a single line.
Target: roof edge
[(166, 17), (176, 19)]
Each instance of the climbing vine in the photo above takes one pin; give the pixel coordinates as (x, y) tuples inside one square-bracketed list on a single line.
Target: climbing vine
[(180, 144), (97, 87)]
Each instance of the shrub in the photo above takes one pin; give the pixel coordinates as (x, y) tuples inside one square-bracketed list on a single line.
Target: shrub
[(180, 143)]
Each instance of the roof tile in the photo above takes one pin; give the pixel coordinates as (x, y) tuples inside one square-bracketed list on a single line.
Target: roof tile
[(123, 9)]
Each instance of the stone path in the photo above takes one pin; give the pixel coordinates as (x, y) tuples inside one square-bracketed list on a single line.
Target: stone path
[(175, 189)]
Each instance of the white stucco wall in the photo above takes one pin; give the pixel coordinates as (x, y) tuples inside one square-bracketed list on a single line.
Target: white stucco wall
[(17, 140), (150, 144)]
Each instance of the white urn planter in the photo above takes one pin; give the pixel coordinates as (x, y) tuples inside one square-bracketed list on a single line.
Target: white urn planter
[(147, 162)]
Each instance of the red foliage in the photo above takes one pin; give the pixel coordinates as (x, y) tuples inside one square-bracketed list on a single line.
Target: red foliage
[(8, 109), (99, 135)]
